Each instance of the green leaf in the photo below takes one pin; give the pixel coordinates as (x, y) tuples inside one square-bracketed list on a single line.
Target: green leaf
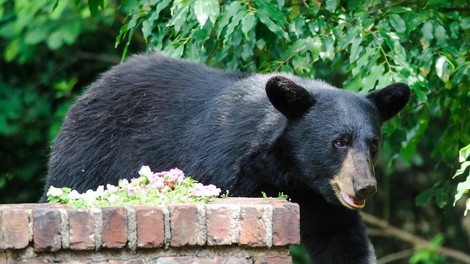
[(369, 82), (464, 153), (356, 49), (149, 23), (398, 23), (121, 35), (248, 23), (442, 68), (270, 10), (55, 40), (328, 48), (331, 5), (399, 10), (12, 50), (465, 23), (234, 22), (272, 18), (180, 17), (70, 31), (442, 198), (467, 207), (229, 12), (462, 168), (363, 60), (37, 35), (420, 93), (462, 188), (206, 9), (200, 11), (427, 31), (424, 197), (94, 5)]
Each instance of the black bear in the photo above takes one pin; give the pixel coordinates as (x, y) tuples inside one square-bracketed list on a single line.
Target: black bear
[(245, 133)]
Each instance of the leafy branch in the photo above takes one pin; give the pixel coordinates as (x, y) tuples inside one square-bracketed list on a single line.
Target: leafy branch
[(387, 229)]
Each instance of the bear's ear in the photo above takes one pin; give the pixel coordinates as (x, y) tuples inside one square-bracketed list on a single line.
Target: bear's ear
[(390, 100), (287, 97)]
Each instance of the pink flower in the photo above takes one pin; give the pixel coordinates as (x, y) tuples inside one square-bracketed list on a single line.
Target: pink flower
[(159, 183), (176, 175), (131, 191)]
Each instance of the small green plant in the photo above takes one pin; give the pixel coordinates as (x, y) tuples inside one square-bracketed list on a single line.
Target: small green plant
[(464, 186), (160, 189), (280, 196)]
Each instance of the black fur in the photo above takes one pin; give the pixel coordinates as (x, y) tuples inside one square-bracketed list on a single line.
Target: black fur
[(222, 128)]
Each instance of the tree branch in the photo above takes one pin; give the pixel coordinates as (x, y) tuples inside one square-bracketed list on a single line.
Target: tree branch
[(415, 240), (111, 59), (396, 256)]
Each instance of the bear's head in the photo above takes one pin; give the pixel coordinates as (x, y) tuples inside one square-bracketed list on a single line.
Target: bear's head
[(333, 136)]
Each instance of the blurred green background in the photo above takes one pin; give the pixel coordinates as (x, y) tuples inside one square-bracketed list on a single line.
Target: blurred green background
[(51, 50)]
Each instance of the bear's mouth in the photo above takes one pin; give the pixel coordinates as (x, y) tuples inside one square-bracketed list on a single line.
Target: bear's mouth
[(351, 201)]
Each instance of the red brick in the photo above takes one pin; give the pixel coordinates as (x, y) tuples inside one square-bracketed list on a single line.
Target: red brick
[(286, 224), (185, 260), (203, 260), (134, 261), (184, 225), (279, 259), (219, 225), (23, 262), (46, 229), (82, 229), (253, 228), (232, 260), (114, 227), (14, 230), (248, 201), (150, 226)]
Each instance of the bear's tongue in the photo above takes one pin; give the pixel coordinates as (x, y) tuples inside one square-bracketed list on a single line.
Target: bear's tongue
[(353, 202)]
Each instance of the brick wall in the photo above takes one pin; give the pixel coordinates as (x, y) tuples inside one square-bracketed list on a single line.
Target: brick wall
[(235, 230)]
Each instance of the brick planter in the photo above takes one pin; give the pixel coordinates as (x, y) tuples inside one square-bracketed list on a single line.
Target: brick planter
[(235, 230)]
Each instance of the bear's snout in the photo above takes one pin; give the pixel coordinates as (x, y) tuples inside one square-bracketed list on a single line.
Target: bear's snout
[(365, 188)]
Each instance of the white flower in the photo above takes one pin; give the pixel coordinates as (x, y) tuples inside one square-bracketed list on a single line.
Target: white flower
[(112, 198), (145, 171), (99, 191), (54, 191), (74, 195), (200, 190), (123, 183), (111, 188), (89, 197)]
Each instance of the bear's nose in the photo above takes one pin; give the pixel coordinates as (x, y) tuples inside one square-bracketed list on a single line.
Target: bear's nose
[(366, 189)]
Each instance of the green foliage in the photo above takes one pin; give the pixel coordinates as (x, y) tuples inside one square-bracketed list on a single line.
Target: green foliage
[(429, 254), (464, 186), (299, 254), (41, 66)]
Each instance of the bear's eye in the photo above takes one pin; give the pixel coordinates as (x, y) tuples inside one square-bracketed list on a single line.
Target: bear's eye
[(339, 143), (374, 146)]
